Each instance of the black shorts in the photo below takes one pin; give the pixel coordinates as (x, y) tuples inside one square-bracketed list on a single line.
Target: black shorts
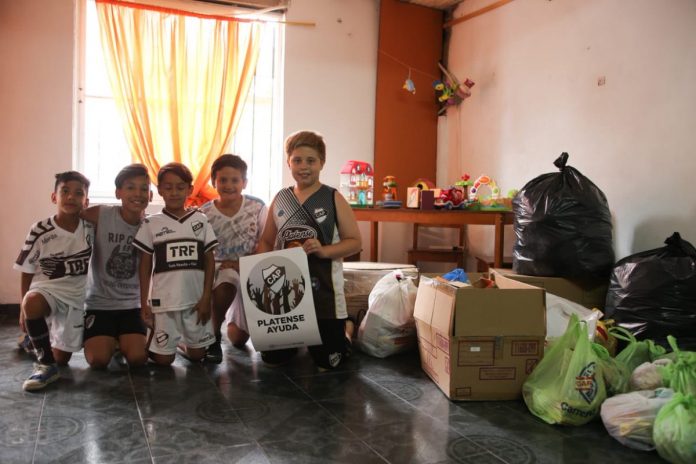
[(335, 347), (113, 323)]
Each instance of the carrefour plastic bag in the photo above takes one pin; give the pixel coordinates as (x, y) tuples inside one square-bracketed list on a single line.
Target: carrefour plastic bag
[(636, 352), (388, 326), (562, 226), (680, 374), (630, 417), (614, 372), (674, 431), (567, 386)]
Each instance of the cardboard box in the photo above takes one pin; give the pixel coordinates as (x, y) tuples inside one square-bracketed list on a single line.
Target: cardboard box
[(589, 294), (480, 344)]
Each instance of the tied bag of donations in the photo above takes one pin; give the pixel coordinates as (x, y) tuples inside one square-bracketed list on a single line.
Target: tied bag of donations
[(573, 379)]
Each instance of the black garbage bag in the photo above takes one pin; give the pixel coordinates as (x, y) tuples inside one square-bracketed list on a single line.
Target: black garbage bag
[(562, 227), (653, 293)]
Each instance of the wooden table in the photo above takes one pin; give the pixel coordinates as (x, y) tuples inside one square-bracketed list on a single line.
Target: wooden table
[(436, 217)]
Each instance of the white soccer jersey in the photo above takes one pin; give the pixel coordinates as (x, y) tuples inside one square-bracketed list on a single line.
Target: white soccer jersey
[(58, 259), (237, 235), (178, 246)]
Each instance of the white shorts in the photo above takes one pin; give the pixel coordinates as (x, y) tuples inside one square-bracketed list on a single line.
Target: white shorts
[(66, 323), (235, 313), (173, 327)]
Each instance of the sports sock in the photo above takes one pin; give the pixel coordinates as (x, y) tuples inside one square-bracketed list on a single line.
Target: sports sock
[(38, 333)]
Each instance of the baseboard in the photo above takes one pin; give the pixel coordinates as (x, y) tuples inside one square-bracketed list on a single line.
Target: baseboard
[(9, 309)]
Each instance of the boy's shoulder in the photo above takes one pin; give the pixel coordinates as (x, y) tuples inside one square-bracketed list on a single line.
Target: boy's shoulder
[(254, 200)]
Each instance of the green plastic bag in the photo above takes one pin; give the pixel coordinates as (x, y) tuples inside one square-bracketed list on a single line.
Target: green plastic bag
[(674, 431), (680, 374), (636, 352), (615, 373), (567, 386)]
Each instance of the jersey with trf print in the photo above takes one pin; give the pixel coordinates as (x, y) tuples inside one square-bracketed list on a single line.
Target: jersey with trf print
[(178, 246), (58, 259)]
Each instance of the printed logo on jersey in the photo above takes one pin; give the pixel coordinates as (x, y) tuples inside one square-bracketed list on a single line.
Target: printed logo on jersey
[(276, 285), (165, 231), (161, 338), (586, 384), (197, 227), (89, 321), (320, 215), (56, 267), (182, 251), (179, 254), (295, 236), (121, 264)]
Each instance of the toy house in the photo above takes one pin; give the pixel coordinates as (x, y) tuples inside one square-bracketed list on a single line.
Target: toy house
[(357, 183)]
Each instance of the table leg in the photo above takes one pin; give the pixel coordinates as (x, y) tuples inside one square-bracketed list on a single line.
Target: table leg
[(374, 241), (499, 241)]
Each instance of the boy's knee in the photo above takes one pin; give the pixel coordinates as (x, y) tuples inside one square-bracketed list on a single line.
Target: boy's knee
[(162, 359), (136, 359), (97, 361), (35, 306), (237, 336)]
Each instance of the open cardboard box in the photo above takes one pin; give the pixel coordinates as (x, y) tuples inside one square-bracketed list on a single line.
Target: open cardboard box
[(480, 344), (590, 294)]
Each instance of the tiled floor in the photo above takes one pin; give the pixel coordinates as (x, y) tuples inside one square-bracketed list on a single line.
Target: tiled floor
[(370, 411)]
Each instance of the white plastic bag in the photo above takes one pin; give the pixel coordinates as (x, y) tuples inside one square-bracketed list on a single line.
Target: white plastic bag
[(630, 417), (558, 311), (388, 327)]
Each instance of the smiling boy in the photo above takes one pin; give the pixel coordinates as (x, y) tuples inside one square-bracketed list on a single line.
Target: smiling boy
[(54, 262)]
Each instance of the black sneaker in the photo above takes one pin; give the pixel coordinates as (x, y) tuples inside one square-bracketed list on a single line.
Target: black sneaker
[(214, 353)]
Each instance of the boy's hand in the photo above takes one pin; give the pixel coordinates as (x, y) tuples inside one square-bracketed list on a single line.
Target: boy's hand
[(203, 310), (230, 264), (312, 246), (22, 326), (146, 315)]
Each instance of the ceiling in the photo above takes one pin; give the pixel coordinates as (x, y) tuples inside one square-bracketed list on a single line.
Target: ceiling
[(439, 4)]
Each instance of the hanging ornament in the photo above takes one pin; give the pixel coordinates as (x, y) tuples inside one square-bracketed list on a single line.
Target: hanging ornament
[(408, 83)]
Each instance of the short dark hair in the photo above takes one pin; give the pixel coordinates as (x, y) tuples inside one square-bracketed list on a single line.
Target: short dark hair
[(228, 161), (130, 171), (306, 139), (67, 176), (177, 169)]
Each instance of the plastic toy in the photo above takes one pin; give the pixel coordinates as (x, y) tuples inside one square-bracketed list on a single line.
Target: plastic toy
[(389, 192), (450, 91), (357, 183)]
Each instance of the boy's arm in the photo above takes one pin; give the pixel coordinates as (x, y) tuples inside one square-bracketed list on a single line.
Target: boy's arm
[(348, 231), (91, 214), (268, 237), (24, 286), (203, 305), (145, 275)]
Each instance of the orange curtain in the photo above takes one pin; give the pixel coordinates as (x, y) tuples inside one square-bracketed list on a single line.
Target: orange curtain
[(180, 80)]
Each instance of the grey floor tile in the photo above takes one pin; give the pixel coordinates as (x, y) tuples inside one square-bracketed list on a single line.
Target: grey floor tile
[(368, 411)]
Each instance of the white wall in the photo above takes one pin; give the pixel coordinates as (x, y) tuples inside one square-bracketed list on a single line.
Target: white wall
[(536, 65), (36, 52), (330, 77)]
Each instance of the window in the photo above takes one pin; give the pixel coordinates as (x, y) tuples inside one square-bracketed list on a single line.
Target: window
[(102, 149)]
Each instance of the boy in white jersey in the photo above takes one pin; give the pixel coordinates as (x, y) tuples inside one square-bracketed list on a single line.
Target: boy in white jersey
[(176, 254), (54, 262), (237, 221), (112, 307)]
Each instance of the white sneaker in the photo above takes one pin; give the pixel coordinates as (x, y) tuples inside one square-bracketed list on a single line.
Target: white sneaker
[(42, 376)]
